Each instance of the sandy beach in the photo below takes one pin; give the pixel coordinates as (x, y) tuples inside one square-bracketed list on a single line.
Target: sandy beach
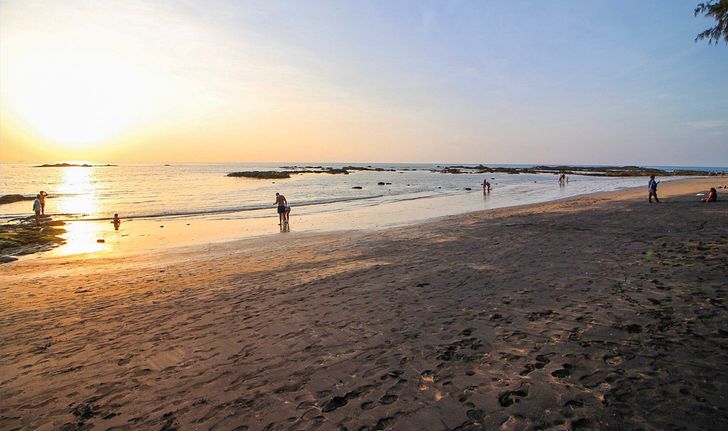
[(598, 312)]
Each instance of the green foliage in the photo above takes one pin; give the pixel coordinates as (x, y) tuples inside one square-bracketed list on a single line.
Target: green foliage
[(719, 11)]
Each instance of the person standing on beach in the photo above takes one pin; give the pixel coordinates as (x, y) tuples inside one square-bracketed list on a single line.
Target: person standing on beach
[(282, 204), (37, 209), (42, 201), (652, 189)]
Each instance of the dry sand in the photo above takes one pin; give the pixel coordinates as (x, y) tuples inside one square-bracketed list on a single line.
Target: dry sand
[(602, 312)]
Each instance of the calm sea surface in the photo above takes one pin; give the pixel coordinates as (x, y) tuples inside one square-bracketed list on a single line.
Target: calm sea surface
[(186, 190)]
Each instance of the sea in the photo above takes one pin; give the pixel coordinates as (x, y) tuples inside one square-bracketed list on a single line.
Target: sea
[(182, 190)]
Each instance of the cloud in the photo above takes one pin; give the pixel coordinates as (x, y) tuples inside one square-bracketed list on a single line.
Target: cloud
[(428, 17), (708, 124)]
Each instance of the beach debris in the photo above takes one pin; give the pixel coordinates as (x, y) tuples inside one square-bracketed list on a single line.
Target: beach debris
[(100, 240)]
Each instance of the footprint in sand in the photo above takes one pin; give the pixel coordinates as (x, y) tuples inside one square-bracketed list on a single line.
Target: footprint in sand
[(562, 372)]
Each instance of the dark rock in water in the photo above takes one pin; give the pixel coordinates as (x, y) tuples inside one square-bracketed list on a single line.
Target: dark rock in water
[(100, 241), (8, 199), (69, 165), (292, 170), (261, 175), (598, 171), (161, 226), (388, 183), (380, 183), (357, 187), (7, 259), (468, 188), (368, 168)]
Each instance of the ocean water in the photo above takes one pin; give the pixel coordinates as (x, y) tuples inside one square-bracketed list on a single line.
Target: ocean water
[(194, 190)]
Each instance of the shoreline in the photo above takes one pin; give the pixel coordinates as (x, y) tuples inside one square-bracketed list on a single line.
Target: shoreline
[(587, 313), (147, 235)]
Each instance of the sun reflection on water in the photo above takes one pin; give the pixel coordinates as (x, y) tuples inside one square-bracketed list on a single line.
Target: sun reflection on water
[(81, 237), (78, 196), (78, 192)]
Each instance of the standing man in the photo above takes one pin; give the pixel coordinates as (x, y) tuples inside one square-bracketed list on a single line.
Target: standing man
[(282, 203), (652, 189), (37, 209)]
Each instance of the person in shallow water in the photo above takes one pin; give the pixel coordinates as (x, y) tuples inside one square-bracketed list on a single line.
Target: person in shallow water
[(42, 195), (287, 213), (37, 209), (117, 221), (282, 204)]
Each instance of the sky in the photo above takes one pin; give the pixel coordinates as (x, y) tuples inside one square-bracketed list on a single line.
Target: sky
[(573, 82)]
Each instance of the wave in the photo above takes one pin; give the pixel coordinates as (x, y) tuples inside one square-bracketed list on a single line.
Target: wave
[(188, 213)]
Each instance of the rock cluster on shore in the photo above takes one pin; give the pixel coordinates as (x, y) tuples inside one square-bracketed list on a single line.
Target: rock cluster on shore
[(25, 237)]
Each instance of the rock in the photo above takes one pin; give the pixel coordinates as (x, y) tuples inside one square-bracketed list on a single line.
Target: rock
[(8, 199), (100, 241), (357, 187), (7, 259), (260, 174), (69, 165), (380, 183), (468, 188), (287, 173)]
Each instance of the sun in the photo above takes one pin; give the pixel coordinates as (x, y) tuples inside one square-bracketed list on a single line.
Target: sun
[(74, 98)]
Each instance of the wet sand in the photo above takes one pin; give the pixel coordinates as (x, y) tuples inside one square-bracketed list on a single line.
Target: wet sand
[(601, 312)]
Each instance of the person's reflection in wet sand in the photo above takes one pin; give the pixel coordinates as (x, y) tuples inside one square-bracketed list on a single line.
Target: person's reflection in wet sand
[(285, 227)]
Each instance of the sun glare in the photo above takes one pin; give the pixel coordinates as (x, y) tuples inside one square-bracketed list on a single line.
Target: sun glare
[(74, 99), (79, 190)]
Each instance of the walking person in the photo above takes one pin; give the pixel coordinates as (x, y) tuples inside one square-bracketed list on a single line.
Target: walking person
[(652, 189)]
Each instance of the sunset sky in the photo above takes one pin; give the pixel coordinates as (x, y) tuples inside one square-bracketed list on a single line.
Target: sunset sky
[(596, 82)]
